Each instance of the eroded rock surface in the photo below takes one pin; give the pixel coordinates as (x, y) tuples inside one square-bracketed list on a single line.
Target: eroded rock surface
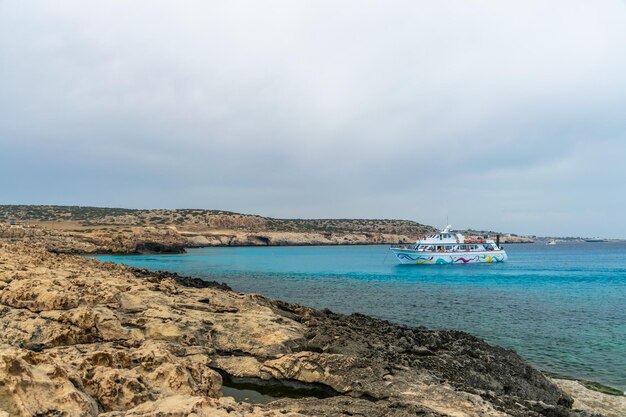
[(594, 401), (172, 239), (84, 338), (86, 241)]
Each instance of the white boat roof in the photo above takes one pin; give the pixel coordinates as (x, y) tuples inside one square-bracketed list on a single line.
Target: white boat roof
[(447, 235)]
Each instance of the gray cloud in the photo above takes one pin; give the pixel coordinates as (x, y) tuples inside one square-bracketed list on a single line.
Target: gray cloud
[(499, 115)]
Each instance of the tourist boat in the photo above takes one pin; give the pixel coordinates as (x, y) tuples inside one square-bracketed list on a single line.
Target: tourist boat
[(448, 247), (551, 242)]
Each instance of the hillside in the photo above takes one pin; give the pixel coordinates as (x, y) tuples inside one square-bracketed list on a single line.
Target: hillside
[(76, 229), (212, 219)]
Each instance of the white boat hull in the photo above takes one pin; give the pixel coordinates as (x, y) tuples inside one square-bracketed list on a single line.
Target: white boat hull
[(408, 256)]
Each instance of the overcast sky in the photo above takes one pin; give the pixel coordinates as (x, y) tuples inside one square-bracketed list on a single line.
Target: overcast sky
[(508, 116)]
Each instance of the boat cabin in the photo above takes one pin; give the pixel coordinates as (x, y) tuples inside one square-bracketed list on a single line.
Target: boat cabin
[(429, 247), (448, 241)]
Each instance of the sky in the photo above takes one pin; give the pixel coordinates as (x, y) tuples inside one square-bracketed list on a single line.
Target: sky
[(507, 116)]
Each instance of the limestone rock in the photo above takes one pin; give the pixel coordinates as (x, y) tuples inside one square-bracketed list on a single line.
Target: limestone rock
[(193, 406), (345, 374), (33, 384), (172, 239), (84, 338), (593, 401), (239, 366)]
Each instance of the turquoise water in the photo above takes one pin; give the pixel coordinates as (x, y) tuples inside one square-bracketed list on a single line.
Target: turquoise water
[(562, 307)]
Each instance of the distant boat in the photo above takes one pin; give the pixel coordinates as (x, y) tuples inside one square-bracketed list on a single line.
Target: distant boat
[(595, 239), (551, 242), (447, 247)]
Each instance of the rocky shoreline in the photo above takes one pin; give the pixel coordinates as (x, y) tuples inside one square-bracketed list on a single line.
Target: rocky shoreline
[(83, 338), (100, 230), (152, 239)]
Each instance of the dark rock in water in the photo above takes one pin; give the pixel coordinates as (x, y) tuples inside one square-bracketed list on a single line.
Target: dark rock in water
[(456, 359), (180, 279), (462, 360)]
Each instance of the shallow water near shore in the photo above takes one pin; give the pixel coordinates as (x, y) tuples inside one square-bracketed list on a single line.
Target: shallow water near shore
[(561, 307)]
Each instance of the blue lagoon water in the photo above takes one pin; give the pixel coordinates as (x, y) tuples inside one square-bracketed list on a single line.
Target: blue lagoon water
[(562, 307)]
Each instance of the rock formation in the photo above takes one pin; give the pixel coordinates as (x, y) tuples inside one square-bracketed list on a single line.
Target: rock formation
[(73, 229), (161, 239), (83, 338), (146, 240)]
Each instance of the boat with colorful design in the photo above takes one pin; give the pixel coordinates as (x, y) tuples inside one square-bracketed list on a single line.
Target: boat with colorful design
[(449, 247)]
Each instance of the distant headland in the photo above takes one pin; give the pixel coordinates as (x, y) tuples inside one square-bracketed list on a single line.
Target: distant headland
[(77, 229)]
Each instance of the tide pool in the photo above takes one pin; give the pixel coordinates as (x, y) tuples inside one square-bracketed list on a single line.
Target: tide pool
[(561, 307)]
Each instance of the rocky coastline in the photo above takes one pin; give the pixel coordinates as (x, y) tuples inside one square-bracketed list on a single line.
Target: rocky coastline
[(97, 230), (153, 239), (171, 240), (83, 338)]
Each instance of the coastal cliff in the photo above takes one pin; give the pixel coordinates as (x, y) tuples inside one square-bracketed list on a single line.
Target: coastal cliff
[(162, 239), (88, 230), (83, 338)]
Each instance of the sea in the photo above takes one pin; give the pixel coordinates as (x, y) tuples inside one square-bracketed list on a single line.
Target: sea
[(561, 307)]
